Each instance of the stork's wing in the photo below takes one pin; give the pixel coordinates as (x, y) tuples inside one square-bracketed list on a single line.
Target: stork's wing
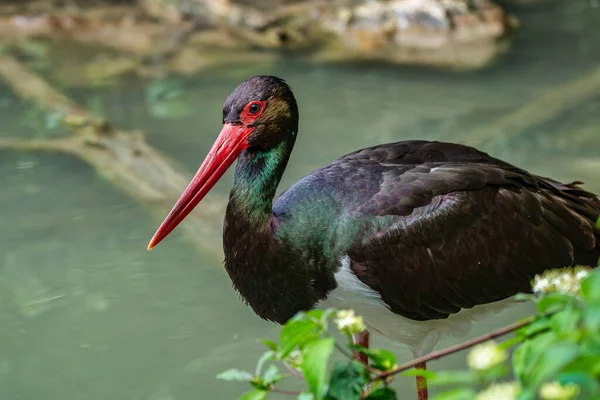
[(450, 227)]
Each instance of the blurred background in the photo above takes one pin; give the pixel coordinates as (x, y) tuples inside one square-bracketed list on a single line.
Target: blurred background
[(107, 107)]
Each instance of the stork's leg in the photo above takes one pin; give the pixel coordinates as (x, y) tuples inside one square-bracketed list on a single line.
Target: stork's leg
[(422, 383), (362, 339)]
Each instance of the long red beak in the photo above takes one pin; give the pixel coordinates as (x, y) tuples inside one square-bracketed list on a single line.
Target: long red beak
[(232, 141)]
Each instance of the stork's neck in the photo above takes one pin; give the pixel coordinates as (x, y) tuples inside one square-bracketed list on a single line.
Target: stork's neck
[(274, 281), (257, 176)]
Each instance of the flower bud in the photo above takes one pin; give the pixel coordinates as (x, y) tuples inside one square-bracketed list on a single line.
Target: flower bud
[(348, 322)]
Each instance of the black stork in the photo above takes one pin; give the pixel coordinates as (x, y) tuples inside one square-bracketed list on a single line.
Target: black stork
[(419, 237)]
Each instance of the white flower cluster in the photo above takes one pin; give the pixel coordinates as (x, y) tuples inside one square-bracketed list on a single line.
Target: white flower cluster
[(562, 280), (500, 391), (348, 322), (556, 391), (485, 356)]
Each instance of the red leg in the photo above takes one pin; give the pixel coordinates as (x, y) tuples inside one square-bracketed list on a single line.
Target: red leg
[(362, 339), (422, 383)]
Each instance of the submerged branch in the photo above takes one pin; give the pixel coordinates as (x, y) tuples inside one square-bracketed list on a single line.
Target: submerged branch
[(34, 144), (124, 158), (35, 90)]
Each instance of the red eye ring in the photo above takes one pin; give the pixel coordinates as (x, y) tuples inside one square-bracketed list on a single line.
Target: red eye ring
[(253, 110)]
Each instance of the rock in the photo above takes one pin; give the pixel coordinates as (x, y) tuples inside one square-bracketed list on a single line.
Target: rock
[(168, 11), (459, 33), (176, 11)]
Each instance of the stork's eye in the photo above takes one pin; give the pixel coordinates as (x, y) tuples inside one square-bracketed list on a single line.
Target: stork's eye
[(254, 108)]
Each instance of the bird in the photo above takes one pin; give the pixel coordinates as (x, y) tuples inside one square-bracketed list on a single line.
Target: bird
[(419, 237)]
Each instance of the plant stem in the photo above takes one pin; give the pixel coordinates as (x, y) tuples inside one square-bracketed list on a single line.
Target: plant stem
[(294, 371), (456, 348), (273, 389), (350, 340)]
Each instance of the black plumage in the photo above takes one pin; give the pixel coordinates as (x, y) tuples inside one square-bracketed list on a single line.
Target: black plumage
[(444, 226)]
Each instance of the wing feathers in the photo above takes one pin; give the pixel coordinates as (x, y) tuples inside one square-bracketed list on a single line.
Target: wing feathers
[(466, 232)]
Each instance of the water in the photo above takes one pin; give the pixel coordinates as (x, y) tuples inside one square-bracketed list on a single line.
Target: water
[(87, 313)]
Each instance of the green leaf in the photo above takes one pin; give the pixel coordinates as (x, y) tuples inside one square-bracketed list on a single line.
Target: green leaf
[(590, 287), (521, 359), (527, 393), (381, 359), (495, 373), (256, 394), (272, 375), (259, 383), (591, 319), (525, 355), (269, 343), (550, 361), (554, 302), (455, 394), (347, 381), (540, 324), (384, 393), (235, 375), (585, 381), (508, 343), (314, 365), (294, 334), (585, 363), (311, 315), (305, 396), (566, 320)]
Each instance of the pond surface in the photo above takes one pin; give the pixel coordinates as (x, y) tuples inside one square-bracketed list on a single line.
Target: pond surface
[(87, 313)]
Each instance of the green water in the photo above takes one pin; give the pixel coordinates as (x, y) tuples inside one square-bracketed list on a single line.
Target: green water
[(87, 313)]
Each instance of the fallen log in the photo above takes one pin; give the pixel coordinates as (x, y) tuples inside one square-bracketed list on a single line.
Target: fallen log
[(538, 111), (123, 158)]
